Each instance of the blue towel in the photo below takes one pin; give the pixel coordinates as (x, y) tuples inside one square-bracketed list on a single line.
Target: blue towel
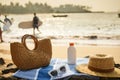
[(42, 73)]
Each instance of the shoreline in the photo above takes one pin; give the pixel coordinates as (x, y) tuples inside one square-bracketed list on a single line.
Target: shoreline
[(65, 42), (94, 39)]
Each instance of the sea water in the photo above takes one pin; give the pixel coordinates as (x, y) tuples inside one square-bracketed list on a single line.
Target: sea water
[(77, 26)]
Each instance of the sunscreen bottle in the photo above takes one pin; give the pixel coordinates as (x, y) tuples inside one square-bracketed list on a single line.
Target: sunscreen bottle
[(71, 54)]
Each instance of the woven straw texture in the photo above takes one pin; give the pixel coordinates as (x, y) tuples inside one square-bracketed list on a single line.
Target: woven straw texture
[(26, 59), (105, 62), (101, 65)]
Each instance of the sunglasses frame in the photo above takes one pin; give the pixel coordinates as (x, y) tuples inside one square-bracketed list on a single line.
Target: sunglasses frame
[(59, 71)]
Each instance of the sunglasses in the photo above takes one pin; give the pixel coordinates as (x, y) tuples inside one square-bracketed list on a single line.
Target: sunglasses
[(58, 72)]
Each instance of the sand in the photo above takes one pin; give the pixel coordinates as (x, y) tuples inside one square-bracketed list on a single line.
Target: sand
[(82, 51), (60, 51)]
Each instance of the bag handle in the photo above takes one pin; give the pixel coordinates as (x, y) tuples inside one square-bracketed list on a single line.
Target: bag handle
[(33, 37)]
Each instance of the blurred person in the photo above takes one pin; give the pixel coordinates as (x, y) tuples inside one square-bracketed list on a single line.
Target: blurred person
[(7, 24), (35, 23), (1, 29)]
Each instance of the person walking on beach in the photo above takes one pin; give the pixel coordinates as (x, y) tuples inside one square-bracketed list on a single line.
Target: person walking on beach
[(1, 30), (7, 24), (35, 23)]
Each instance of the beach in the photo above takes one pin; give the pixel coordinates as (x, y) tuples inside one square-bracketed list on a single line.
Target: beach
[(90, 36)]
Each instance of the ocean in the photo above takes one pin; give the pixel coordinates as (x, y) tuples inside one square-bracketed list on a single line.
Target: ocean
[(82, 28)]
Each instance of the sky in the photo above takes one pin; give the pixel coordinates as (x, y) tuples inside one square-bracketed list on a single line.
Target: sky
[(96, 5)]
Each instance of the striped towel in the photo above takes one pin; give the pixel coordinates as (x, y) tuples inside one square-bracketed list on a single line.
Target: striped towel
[(42, 73)]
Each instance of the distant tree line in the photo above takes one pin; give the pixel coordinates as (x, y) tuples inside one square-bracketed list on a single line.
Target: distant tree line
[(16, 8)]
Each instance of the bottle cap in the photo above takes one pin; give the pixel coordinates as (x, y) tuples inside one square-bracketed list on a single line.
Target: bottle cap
[(71, 44)]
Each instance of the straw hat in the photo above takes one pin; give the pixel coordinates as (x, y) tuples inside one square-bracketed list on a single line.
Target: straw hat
[(101, 65)]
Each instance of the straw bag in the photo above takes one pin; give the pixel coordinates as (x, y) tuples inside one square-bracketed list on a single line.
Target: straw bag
[(25, 58)]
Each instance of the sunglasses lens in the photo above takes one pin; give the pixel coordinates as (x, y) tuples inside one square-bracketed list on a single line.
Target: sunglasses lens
[(63, 69), (54, 73)]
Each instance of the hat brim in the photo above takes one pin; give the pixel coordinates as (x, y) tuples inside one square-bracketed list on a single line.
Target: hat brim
[(84, 69)]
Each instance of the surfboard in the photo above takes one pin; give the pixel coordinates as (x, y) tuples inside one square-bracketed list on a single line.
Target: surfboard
[(27, 24)]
